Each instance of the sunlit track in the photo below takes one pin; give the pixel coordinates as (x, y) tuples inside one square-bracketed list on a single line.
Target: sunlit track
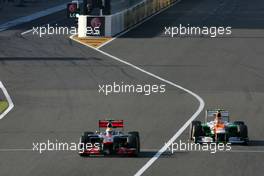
[(180, 131), (53, 82)]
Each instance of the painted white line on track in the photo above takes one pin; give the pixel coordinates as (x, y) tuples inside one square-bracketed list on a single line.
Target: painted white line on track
[(181, 130), (140, 23), (15, 150), (193, 117), (32, 17), (28, 31), (9, 100)]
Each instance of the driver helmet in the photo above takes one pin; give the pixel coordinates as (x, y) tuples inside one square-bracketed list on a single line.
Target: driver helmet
[(109, 129), (218, 116)]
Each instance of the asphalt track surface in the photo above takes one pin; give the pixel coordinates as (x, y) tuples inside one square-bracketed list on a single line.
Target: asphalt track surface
[(53, 82)]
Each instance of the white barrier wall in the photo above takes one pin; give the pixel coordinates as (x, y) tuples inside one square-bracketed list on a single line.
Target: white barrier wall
[(82, 24), (118, 22)]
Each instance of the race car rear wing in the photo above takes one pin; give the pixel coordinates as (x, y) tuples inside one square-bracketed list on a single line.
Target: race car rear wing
[(111, 123), (210, 114)]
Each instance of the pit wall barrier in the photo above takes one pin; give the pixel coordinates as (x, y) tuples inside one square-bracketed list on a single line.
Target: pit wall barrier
[(110, 25)]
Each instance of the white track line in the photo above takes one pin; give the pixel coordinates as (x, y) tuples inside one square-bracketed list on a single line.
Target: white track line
[(28, 31), (140, 23), (9, 100), (15, 150), (193, 117), (32, 17), (180, 131)]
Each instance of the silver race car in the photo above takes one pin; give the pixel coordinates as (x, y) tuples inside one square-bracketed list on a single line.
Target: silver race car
[(111, 141)]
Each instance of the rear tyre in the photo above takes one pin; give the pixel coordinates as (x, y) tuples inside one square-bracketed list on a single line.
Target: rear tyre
[(243, 133), (134, 141), (84, 140)]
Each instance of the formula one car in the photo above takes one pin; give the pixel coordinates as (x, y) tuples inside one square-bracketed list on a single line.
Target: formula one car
[(219, 129), (110, 141)]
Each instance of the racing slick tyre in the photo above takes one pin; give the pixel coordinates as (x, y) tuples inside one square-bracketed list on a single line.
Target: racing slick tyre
[(194, 123), (239, 123), (197, 132), (134, 141), (85, 139), (243, 133), (136, 134)]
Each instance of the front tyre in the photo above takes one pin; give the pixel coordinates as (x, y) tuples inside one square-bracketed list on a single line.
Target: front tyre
[(196, 131)]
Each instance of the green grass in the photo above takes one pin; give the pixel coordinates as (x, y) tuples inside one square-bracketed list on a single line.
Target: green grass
[(3, 106)]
